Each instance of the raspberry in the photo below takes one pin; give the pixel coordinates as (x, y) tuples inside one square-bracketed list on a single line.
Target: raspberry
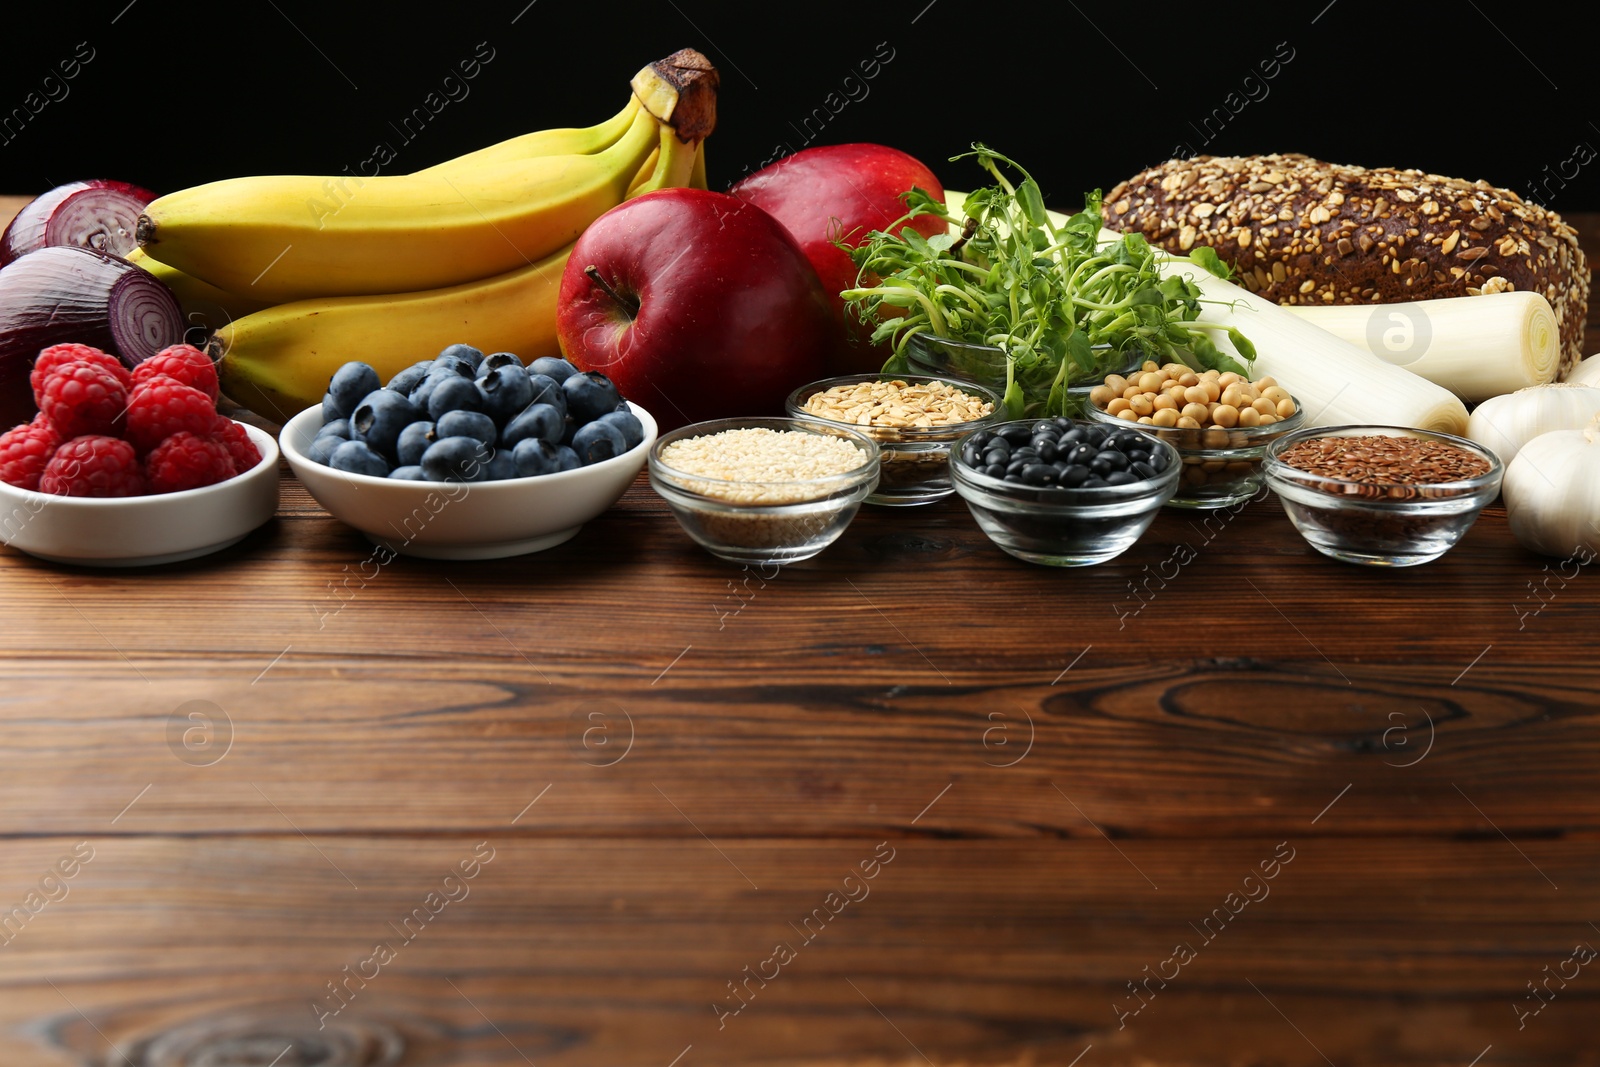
[(57, 356), (181, 363), (25, 450), (82, 399), (93, 466), (162, 407), (187, 461), (240, 448)]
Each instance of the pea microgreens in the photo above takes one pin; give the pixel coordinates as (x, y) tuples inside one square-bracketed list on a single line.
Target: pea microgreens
[(1062, 306)]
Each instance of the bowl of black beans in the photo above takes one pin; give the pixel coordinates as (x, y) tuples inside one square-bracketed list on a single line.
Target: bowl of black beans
[(1061, 492)]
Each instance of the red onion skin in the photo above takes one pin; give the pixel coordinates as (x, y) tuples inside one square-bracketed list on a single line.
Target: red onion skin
[(70, 294), (26, 232)]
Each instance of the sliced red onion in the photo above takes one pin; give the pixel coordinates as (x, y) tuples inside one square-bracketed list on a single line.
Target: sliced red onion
[(98, 214), (69, 294)]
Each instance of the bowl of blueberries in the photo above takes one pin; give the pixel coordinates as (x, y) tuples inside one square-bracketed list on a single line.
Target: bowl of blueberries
[(468, 456), (1062, 492)]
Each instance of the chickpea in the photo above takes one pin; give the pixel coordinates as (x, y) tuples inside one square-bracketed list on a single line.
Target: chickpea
[(1265, 406), (1195, 413), (1188, 378), (1249, 417), (1187, 423), (1285, 408), (1116, 383), (1165, 417), (1196, 394), (1100, 396), (1225, 415), (1150, 381), (1165, 402), (1141, 405), (1117, 406)]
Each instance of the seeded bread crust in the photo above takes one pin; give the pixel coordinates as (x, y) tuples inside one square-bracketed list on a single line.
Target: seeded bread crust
[(1301, 231)]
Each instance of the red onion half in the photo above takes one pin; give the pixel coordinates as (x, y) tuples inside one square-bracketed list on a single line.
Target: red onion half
[(97, 214), (69, 294)]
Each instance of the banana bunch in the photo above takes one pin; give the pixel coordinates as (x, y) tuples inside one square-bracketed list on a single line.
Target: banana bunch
[(391, 269)]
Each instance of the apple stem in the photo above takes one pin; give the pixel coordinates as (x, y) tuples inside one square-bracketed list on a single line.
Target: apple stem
[(595, 276)]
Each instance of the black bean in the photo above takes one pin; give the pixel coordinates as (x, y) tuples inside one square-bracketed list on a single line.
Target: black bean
[(1143, 469), (1017, 433), (995, 470), (1082, 454), (1038, 474), (1075, 474), (1120, 478), (1114, 460), (995, 455), (1047, 451)]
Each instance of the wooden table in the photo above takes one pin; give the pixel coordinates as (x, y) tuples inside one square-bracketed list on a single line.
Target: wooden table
[(267, 771)]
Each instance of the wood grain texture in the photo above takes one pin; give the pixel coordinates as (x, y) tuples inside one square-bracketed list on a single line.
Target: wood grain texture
[(677, 761)]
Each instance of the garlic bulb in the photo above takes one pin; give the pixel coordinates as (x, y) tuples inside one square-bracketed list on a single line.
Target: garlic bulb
[(1552, 494), (1507, 422), (1587, 372)]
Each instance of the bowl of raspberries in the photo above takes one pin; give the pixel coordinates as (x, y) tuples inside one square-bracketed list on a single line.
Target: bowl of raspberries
[(466, 455), (131, 466)]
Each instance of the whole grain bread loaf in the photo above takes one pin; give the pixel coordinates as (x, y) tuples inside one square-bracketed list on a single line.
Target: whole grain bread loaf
[(1301, 231)]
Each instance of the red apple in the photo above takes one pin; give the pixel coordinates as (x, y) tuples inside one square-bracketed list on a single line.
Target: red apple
[(860, 186), (696, 304)]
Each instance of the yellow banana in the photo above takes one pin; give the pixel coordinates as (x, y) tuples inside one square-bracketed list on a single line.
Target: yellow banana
[(203, 304), (282, 239), (277, 362), (563, 142)]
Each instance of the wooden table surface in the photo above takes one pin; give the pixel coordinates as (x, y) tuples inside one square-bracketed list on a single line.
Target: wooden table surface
[(1279, 811)]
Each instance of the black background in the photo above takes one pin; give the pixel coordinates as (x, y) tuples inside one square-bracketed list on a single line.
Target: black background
[(184, 92)]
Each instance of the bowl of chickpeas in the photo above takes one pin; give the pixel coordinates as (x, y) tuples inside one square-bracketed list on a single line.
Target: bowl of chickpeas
[(1220, 422)]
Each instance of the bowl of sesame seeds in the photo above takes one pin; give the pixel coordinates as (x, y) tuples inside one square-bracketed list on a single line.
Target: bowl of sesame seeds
[(1385, 496), (913, 418), (764, 490)]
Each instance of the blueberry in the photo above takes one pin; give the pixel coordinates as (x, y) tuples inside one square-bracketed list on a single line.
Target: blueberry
[(455, 365), (534, 456), (567, 459), (506, 391), (410, 378), (626, 421), (349, 384), (553, 366), (465, 353), (409, 473), (413, 442), (598, 440), (501, 466), (357, 457), (500, 359), (589, 395), (321, 450), (466, 424), (546, 390), (542, 421), (379, 419), (456, 459), (454, 394), (339, 428)]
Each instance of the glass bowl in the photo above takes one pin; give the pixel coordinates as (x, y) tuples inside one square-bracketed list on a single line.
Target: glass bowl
[(765, 521), (1062, 527), (962, 362), (1221, 466), (914, 461), (1382, 526)]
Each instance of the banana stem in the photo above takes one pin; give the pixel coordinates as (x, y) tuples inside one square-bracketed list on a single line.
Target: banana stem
[(632, 306)]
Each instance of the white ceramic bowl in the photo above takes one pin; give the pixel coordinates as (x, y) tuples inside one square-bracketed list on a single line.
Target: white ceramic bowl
[(138, 531), (464, 520)]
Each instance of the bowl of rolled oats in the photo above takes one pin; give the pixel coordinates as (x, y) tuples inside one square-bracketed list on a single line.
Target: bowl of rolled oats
[(913, 418), (764, 490)]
